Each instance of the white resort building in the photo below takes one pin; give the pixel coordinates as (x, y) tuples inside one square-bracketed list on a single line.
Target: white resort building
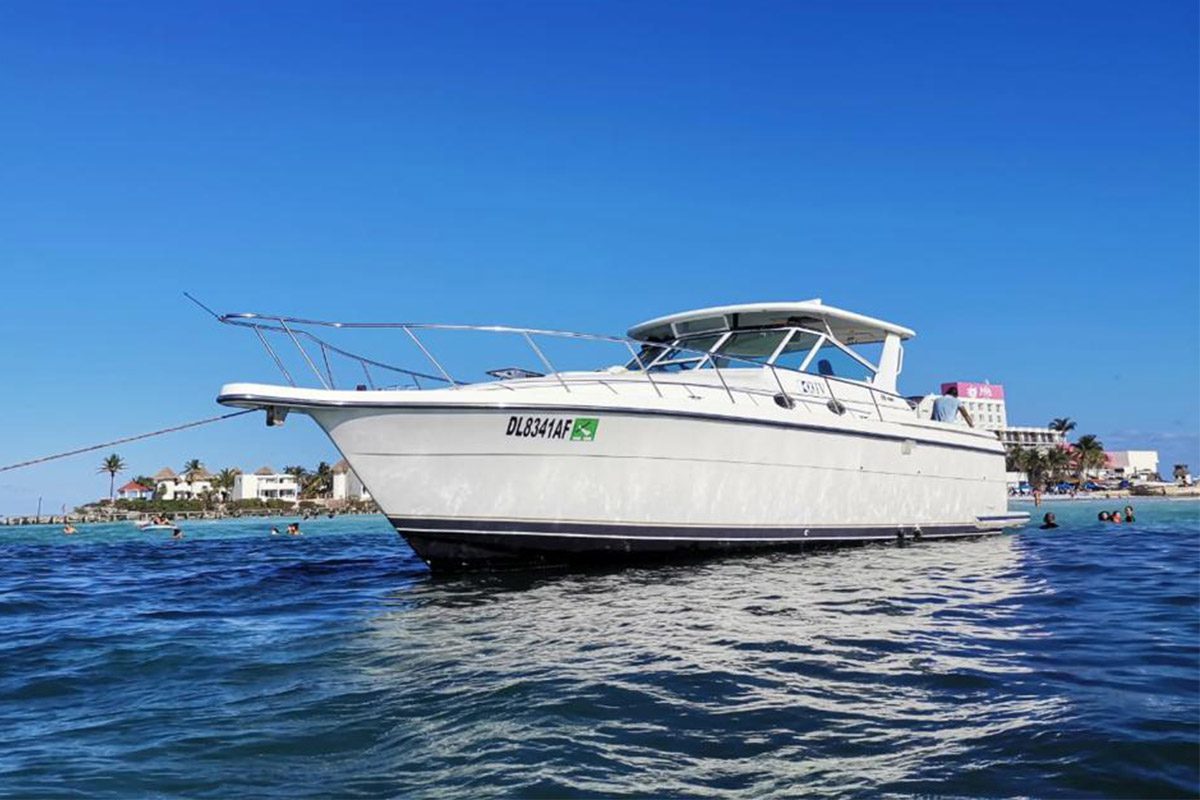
[(262, 484), (1132, 464), (188, 486), (346, 484), (1030, 437), (135, 491), (266, 484)]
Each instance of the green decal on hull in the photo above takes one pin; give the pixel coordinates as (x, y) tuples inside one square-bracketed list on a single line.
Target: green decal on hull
[(584, 429)]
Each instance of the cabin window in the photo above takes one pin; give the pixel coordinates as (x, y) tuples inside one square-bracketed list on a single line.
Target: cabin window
[(763, 319), (796, 351), (704, 324), (832, 361), (871, 352), (748, 345)]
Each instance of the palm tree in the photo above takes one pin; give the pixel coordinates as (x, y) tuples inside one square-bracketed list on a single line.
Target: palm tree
[(1034, 465), (301, 474), (324, 473), (112, 465), (1063, 425), (191, 470), (1058, 460), (223, 482), (1088, 454), (319, 482), (205, 497), (144, 480), (1013, 458)]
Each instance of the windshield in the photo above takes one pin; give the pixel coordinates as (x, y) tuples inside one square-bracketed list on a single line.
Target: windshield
[(752, 346), (834, 362), (683, 354), (806, 351), (646, 355), (795, 353)]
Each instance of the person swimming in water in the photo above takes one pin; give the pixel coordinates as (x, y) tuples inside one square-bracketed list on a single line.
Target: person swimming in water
[(68, 529), (1129, 513), (1115, 517), (1103, 516), (176, 533), (1048, 522), (274, 531)]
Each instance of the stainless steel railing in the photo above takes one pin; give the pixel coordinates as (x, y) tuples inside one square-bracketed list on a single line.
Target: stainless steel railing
[(299, 331)]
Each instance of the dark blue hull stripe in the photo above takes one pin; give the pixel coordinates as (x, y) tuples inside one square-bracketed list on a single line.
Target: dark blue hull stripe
[(459, 544), (534, 530)]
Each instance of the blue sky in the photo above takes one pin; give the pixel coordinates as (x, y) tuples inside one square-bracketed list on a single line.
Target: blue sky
[(1017, 182)]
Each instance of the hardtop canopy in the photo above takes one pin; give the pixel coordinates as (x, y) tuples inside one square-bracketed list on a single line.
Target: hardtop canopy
[(845, 326)]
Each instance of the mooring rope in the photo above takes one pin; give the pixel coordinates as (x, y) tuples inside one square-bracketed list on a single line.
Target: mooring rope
[(115, 442)]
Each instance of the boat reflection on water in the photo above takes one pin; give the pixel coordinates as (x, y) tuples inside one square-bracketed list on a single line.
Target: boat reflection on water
[(844, 669)]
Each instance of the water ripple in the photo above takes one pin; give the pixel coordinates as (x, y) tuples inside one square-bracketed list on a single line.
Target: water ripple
[(234, 662)]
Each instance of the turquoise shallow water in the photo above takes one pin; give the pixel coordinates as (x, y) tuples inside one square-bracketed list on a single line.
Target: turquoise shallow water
[(1062, 663)]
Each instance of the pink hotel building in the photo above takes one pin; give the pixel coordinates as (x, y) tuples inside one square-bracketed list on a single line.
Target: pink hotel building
[(985, 403)]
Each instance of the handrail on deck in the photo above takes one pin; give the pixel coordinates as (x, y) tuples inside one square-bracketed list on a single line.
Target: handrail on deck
[(295, 329)]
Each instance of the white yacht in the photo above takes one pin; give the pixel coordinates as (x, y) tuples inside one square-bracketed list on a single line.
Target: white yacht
[(729, 428)]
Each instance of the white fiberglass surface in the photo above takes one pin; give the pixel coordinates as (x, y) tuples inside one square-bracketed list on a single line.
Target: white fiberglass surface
[(442, 465)]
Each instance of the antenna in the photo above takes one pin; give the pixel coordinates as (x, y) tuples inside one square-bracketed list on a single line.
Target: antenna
[(215, 315)]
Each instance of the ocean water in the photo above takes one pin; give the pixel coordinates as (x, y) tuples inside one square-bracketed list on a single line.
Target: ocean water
[(234, 663)]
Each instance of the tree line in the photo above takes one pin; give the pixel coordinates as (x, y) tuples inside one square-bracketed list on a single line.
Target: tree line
[(1057, 464)]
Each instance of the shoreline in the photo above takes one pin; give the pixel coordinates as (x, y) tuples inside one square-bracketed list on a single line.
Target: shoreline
[(181, 516), (1189, 493), (1133, 500), (1178, 493)]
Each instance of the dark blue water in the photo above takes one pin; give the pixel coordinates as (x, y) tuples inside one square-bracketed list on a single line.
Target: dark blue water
[(1061, 663)]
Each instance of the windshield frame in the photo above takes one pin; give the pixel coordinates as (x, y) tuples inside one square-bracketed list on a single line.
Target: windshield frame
[(827, 339), (782, 348), (667, 356), (697, 358)]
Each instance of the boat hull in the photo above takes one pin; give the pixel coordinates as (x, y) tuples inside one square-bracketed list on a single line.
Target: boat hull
[(484, 486)]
